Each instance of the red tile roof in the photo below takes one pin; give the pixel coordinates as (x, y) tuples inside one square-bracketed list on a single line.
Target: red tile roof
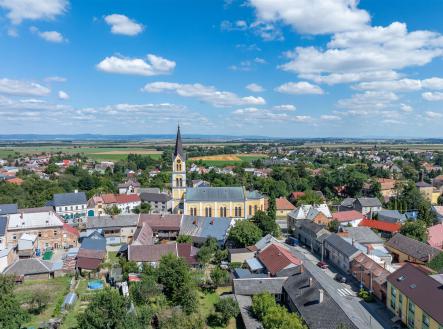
[(68, 228), (283, 204), (120, 198), (15, 180), (347, 216), (88, 263), (435, 236), (296, 195), (161, 222), (380, 225), (277, 258)]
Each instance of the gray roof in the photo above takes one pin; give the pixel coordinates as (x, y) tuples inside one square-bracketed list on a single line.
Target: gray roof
[(215, 194), (3, 224), (155, 197), (422, 184), (253, 286), (348, 202), (243, 273), (29, 266), (97, 222), (391, 216), (178, 150), (245, 304), (263, 242), (94, 243), (201, 228), (254, 195), (311, 226), (363, 235), (341, 245), (68, 199), (412, 247), (369, 202), (8, 208), (305, 297)]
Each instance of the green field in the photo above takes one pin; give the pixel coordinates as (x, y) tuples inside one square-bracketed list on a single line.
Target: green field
[(56, 288), (224, 163), (95, 153)]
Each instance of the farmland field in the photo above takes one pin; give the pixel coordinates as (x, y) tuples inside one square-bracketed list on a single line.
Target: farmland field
[(223, 160), (95, 153)]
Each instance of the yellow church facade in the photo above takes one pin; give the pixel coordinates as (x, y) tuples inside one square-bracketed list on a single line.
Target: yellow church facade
[(233, 202)]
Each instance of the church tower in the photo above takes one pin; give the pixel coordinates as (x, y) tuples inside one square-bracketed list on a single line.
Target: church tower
[(178, 182)]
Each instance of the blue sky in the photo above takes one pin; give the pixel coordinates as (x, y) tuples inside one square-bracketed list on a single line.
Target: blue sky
[(289, 68)]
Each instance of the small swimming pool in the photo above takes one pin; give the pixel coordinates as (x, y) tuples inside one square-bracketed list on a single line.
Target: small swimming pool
[(95, 284)]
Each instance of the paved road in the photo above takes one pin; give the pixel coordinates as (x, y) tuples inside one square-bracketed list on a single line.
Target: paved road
[(343, 294)]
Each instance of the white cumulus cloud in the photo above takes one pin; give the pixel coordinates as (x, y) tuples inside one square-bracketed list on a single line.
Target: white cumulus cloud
[(152, 65), (121, 24), (299, 88), (254, 87), (50, 36), (432, 96), (208, 94), (22, 88), (63, 95), (19, 10)]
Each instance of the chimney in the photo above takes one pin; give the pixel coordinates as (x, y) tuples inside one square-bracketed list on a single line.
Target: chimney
[(194, 221), (353, 241), (212, 221), (321, 296), (310, 282), (21, 215)]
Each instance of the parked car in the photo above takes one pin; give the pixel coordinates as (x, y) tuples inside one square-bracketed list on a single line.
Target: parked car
[(322, 265), (340, 278)]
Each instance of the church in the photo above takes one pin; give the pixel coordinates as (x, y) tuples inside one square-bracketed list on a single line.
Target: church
[(233, 202)]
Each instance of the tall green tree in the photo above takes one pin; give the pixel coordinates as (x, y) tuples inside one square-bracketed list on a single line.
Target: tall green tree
[(12, 316), (244, 233), (178, 286), (267, 224), (416, 230)]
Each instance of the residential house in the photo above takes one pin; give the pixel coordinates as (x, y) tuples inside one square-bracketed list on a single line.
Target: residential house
[(304, 295), (160, 203), (312, 235), (386, 229), (201, 228), (348, 218), (283, 207), (278, 260), (116, 229), (406, 249), (425, 189), (391, 216), (339, 252), (7, 256), (92, 252), (387, 187), (31, 268), (317, 213), (367, 206), (264, 242), (152, 254), (362, 235), (370, 274), (415, 297), (47, 226), (126, 203), (435, 236), (70, 206), (164, 226), (129, 187)]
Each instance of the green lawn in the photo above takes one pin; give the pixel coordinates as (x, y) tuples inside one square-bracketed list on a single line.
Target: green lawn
[(207, 302), (57, 289)]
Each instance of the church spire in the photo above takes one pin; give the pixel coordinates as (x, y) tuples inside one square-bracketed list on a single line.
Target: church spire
[(178, 144)]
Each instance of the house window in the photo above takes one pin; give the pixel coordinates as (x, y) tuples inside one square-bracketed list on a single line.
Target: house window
[(66, 208), (250, 210), (255, 209), (411, 314), (55, 232), (425, 320), (193, 211), (72, 208), (76, 207), (393, 297), (39, 234), (208, 212), (14, 237), (222, 211), (179, 165)]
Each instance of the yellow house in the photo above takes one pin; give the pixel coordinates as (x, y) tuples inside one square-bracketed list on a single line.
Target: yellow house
[(415, 297), (235, 202), (435, 195)]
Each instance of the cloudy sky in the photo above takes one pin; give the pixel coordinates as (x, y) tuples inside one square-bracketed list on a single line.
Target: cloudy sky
[(289, 68)]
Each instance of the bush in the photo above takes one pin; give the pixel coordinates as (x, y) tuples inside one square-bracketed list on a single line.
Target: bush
[(366, 296), (225, 309)]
